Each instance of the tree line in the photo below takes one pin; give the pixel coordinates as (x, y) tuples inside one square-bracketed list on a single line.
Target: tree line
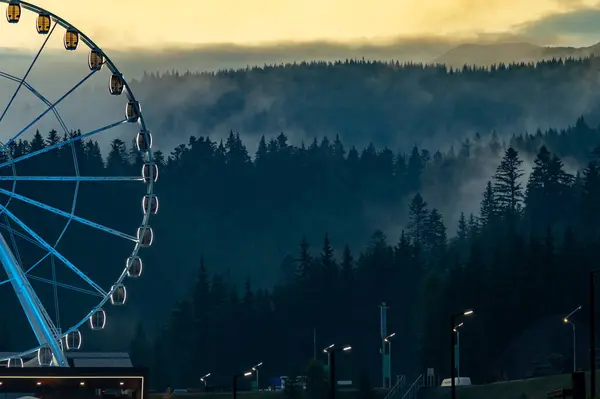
[(389, 103)]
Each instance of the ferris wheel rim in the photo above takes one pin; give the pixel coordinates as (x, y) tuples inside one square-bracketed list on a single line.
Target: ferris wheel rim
[(149, 160)]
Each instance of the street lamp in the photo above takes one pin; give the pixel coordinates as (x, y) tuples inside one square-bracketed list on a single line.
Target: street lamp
[(331, 350), (592, 333), (327, 350), (452, 354), (203, 379), (388, 339), (566, 320), (456, 330), (235, 378), (255, 368)]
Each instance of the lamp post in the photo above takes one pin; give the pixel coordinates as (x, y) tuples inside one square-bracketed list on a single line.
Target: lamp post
[(452, 354), (203, 379), (327, 350), (592, 333), (388, 340), (567, 320), (235, 378), (331, 350), (457, 354), (255, 368)]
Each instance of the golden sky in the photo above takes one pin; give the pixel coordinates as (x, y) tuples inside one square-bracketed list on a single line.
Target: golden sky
[(149, 23)]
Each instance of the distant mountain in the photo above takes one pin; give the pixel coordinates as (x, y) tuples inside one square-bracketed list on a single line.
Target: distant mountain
[(488, 54)]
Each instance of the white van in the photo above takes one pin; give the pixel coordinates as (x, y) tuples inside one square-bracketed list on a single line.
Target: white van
[(458, 381)]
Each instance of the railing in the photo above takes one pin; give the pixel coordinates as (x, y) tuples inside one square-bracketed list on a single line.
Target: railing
[(397, 388), (411, 393)]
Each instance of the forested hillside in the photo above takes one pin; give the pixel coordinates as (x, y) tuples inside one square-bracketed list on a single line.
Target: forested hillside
[(296, 218), (520, 261), (246, 216), (389, 104)]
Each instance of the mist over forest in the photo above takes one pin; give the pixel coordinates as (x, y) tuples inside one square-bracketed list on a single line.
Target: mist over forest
[(283, 178)]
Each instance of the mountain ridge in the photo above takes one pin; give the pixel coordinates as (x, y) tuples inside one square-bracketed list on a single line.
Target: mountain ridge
[(486, 54)]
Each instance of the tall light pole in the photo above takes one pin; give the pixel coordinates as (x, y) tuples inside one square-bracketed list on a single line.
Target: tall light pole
[(452, 354), (385, 371), (388, 340), (567, 320), (235, 378), (255, 368), (328, 351), (331, 350), (203, 379), (457, 354), (592, 316)]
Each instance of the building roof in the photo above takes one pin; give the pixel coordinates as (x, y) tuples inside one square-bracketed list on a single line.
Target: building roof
[(87, 359)]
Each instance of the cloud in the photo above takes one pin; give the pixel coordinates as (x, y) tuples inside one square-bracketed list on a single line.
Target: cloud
[(574, 27)]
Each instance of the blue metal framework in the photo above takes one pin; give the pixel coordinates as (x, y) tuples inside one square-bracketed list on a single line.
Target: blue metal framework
[(46, 329)]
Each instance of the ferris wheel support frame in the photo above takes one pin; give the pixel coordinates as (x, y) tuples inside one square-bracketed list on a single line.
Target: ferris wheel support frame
[(37, 316)]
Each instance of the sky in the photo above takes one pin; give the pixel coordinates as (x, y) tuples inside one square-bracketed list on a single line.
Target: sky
[(154, 24)]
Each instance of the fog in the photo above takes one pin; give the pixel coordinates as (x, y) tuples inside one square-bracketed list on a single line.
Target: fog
[(90, 106)]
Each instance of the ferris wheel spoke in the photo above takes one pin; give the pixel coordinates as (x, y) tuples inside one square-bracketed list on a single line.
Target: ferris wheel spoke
[(17, 233), (13, 242), (72, 178), (21, 81), (63, 285), (53, 251), (55, 289), (61, 143), (50, 108), (38, 95), (67, 215)]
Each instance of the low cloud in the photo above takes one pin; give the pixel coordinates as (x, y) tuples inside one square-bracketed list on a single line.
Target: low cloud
[(577, 26)]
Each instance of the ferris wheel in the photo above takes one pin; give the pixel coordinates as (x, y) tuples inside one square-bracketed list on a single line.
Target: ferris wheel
[(53, 341)]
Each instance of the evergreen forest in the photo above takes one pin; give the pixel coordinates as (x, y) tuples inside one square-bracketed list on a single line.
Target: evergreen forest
[(257, 249), (387, 103)]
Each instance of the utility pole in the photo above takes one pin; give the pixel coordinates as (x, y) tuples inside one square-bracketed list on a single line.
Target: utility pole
[(314, 343), (385, 354)]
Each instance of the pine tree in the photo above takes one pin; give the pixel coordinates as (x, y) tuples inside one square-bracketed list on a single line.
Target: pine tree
[(347, 270), (37, 143), (201, 293), (327, 260), (116, 161), (417, 220), (462, 234), (338, 148), (261, 152), (489, 207), (548, 190), (508, 187), (52, 138), (590, 198), (414, 170), (474, 226), (303, 269), (435, 232)]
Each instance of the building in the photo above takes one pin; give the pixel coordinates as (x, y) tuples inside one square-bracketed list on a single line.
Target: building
[(86, 359)]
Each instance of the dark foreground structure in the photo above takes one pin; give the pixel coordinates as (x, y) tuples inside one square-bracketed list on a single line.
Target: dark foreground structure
[(73, 383)]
